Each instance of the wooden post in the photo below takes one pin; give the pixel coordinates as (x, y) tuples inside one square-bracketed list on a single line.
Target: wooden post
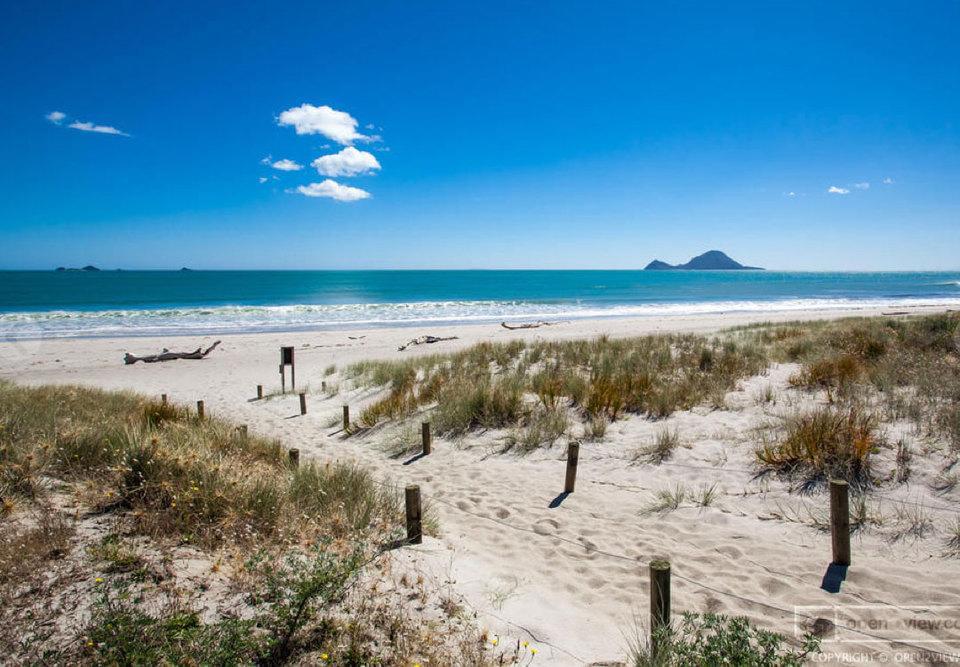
[(259, 391), (283, 381), (163, 399), (242, 430), (573, 456), (427, 438), (294, 455), (303, 403), (659, 601), (840, 521), (346, 417), (200, 414), (414, 527), (323, 385)]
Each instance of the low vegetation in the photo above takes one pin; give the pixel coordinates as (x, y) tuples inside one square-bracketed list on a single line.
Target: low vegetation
[(912, 363), (298, 541), (714, 639), (536, 387)]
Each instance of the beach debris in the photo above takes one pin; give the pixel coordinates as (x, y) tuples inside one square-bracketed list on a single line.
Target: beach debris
[(528, 325), (425, 340), (167, 355)]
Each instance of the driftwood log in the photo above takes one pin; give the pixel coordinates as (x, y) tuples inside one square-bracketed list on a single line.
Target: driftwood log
[(425, 340), (528, 325), (167, 355)]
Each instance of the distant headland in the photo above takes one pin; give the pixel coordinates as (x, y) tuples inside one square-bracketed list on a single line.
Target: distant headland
[(88, 267), (712, 260)]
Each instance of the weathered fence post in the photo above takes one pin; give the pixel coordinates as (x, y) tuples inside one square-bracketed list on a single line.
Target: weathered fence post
[(323, 385), (294, 455), (840, 521), (259, 391), (427, 438), (200, 413), (346, 417), (163, 399), (242, 430), (303, 403), (414, 527), (573, 456), (659, 601)]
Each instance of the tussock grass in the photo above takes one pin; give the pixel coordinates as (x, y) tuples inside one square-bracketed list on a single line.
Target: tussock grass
[(528, 385), (200, 481), (666, 500), (824, 443), (665, 442)]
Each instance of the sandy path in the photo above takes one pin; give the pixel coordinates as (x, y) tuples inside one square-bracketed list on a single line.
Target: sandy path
[(573, 576)]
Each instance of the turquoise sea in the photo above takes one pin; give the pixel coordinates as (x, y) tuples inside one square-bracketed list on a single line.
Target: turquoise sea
[(40, 304)]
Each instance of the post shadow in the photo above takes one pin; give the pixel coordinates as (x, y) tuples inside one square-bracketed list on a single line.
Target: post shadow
[(834, 577), (556, 502), (414, 459)]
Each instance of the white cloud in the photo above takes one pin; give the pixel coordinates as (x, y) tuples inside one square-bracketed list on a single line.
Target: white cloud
[(348, 162), (333, 190), (286, 165), (267, 160), (100, 129), (790, 194), (834, 190), (264, 179), (861, 186), (888, 181), (55, 117), (336, 125)]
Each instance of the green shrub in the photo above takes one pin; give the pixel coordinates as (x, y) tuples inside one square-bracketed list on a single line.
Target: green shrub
[(713, 639)]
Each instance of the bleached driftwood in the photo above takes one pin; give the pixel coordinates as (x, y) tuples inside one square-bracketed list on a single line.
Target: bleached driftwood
[(528, 325), (424, 340), (167, 355)]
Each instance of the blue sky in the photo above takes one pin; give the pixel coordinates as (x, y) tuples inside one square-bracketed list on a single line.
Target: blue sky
[(502, 135)]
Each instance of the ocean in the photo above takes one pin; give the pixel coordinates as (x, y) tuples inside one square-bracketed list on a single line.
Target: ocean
[(48, 304)]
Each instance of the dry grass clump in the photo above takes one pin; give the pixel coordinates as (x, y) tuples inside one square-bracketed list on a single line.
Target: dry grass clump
[(528, 385), (824, 443), (174, 475)]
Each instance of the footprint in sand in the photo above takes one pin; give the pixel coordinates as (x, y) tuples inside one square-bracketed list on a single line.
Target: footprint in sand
[(502, 513), (546, 527)]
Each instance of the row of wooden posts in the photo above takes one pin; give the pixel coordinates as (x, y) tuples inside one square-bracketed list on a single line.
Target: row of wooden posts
[(659, 569)]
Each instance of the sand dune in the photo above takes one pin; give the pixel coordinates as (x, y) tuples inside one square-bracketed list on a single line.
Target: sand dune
[(569, 575)]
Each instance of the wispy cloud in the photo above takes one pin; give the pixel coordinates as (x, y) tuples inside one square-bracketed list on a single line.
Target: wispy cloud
[(888, 181), (286, 165), (348, 162), (99, 129), (55, 117), (330, 188), (338, 126), (862, 186), (264, 179), (834, 190), (790, 194)]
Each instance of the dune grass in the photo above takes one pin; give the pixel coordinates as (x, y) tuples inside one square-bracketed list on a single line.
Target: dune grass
[(530, 385), (913, 363), (164, 479), (201, 481)]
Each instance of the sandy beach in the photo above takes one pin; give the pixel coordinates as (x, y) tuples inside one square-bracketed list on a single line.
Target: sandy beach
[(569, 575)]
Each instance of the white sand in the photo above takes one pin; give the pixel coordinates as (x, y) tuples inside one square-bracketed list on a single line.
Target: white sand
[(571, 579)]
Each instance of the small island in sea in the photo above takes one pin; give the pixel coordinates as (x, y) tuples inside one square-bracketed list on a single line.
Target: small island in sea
[(712, 260)]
